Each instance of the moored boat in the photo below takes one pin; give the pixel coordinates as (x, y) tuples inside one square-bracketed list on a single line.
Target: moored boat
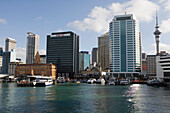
[(91, 80)]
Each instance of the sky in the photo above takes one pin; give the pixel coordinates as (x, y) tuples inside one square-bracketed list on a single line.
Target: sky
[(87, 18)]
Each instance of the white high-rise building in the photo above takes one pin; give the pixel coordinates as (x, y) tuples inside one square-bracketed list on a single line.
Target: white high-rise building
[(10, 44), (125, 45), (32, 47)]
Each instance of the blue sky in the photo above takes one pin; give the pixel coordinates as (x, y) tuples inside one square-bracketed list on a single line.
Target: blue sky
[(87, 18)]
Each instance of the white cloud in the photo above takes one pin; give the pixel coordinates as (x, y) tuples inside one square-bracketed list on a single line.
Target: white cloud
[(3, 21), (165, 26), (166, 4), (21, 53), (163, 47), (99, 18), (39, 18)]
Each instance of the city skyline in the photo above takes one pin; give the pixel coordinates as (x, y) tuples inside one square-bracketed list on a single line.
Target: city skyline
[(89, 23)]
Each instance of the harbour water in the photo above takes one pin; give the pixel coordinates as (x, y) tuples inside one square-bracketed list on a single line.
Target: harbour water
[(84, 98)]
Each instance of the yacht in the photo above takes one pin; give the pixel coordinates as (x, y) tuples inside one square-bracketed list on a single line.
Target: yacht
[(153, 82), (91, 80), (61, 80), (124, 82), (42, 81), (100, 81)]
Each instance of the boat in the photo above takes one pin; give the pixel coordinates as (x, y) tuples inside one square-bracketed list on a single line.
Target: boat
[(100, 81), (113, 81), (42, 81), (91, 80), (153, 82), (61, 80), (124, 82)]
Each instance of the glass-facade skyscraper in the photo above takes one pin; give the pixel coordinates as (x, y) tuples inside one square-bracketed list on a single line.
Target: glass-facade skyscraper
[(32, 47), (124, 46), (84, 60), (63, 51)]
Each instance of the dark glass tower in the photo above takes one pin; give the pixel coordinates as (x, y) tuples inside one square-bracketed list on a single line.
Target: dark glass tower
[(63, 51)]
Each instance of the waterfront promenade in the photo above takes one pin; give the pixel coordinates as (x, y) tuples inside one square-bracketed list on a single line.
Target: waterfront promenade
[(84, 98)]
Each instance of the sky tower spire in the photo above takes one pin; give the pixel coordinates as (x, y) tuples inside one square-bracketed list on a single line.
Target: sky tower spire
[(157, 33)]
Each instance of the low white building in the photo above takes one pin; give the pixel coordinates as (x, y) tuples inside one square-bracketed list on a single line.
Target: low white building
[(12, 66), (163, 68)]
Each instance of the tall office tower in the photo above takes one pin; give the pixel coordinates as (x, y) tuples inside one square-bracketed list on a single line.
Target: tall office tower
[(124, 44), (95, 55), (84, 60), (1, 51), (32, 47), (151, 65), (10, 44), (103, 51), (8, 56), (63, 51), (157, 38)]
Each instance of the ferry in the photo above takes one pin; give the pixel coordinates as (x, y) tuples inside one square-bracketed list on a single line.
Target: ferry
[(42, 81)]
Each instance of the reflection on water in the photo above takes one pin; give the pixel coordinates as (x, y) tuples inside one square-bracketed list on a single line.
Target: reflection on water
[(84, 98)]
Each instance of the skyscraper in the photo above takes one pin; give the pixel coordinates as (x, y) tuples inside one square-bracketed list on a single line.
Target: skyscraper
[(10, 44), (124, 44), (103, 51), (8, 56), (84, 60), (32, 47), (95, 55), (63, 51)]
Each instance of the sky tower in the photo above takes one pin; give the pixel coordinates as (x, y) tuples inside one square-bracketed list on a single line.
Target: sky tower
[(157, 33)]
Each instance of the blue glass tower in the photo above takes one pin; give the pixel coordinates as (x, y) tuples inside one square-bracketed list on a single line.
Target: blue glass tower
[(124, 47), (84, 60)]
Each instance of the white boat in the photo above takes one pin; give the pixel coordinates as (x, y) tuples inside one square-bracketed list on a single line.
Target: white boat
[(91, 80), (42, 81), (100, 81), (61, 80), (153, 82), (124, 82)]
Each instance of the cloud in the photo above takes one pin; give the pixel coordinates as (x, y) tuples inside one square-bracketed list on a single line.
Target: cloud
[(21, 53), (165, 26), (163, 47), (3, 21), (99, 17), (39, 18), (166, 4)]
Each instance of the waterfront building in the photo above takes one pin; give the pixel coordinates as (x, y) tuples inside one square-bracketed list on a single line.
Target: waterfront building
[(32, 47), (36, 69), (8, 56), (0, 64), (151, 65), (1, 51), (95, 55), (103, 51), (63, 51), (125, 45), (84, 60), (12, 66), (10, 44), (163, 67), (43, 59)]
